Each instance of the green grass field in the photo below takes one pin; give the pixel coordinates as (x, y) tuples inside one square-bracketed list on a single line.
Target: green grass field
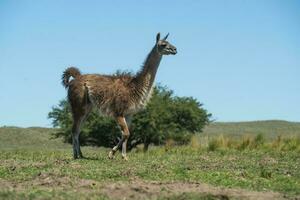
[(36, 166), (271, 129)]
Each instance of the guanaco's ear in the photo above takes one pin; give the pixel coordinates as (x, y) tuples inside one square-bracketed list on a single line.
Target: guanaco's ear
[(166, 36), (157, 37)]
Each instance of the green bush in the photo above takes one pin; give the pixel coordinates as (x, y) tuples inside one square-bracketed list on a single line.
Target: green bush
[(259, 140), (165, 117), (213, 145)]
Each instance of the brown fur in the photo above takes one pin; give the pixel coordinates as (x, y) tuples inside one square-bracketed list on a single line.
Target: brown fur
[(70, 72), (117, 96)]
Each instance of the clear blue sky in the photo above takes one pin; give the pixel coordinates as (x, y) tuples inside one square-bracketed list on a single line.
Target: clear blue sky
[(240, 58)]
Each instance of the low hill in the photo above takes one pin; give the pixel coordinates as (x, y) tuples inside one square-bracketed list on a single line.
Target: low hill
[(269, 129), (35, 137)]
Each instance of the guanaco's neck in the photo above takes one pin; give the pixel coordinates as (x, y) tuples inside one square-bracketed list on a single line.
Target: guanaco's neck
[(145, 77)]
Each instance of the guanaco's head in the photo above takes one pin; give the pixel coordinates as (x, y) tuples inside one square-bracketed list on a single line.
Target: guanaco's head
[(164, 47)]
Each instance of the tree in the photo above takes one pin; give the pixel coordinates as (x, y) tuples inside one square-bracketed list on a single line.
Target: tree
[(168, 117), (165, 117)]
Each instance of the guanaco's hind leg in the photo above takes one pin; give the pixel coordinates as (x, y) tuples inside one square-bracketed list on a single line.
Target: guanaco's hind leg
[(75, 138), (78, 119), (80, 107), (125, 135)]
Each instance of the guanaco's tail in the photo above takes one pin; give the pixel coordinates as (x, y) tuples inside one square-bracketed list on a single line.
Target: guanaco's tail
[(68, 73)]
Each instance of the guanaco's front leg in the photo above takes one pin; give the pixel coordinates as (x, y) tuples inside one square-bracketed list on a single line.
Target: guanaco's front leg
[(125, 135)]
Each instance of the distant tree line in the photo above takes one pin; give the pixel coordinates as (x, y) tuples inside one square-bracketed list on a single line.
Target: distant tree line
[(166, 117)]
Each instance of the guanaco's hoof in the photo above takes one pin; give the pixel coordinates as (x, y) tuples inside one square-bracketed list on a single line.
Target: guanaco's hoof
[(125, 158), (111, 155)]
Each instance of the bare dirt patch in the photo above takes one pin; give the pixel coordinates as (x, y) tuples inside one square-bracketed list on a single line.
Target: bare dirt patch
[(152, 190), (137, 189)]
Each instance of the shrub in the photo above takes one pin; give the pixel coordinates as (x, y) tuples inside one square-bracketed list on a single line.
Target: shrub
[(213, 145), (259, 140)]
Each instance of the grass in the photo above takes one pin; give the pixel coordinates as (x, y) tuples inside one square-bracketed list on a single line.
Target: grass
[(34, 138), (251, 169), (259, 142), (33, 166), (269, 129)]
